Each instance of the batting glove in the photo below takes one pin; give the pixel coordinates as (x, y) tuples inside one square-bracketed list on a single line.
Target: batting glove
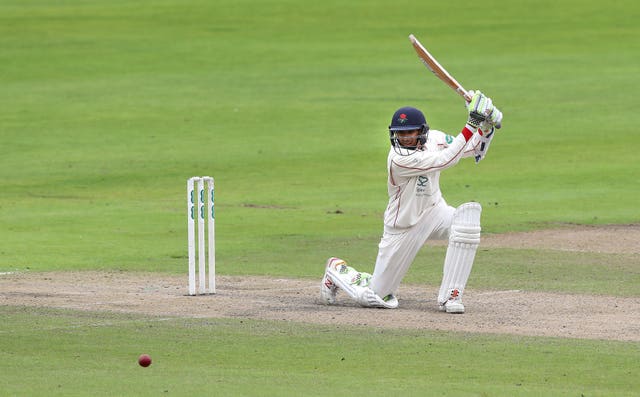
[(495, 118), (480, 107)]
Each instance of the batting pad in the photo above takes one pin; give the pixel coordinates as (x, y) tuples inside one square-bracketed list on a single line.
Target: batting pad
[(355, 284), (464, 239), (343, 277)]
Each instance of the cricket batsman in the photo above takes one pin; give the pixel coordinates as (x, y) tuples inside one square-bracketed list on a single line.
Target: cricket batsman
[(417, 211)]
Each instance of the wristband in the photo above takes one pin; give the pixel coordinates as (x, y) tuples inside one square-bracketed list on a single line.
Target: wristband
[(467, 132)]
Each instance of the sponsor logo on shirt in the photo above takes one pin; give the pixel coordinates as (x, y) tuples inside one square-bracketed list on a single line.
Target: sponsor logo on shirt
[(423, 187)]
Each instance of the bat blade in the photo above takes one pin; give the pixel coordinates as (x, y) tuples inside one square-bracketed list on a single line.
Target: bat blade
[(434, 66), (440, 72)]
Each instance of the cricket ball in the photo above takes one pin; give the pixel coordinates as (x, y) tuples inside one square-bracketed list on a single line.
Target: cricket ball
[(144, 360)]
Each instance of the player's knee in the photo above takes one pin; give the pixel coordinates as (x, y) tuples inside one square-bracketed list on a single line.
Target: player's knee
[(465, 226)]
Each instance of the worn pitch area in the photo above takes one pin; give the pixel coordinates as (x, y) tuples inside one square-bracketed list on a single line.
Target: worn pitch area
[(297, 300)]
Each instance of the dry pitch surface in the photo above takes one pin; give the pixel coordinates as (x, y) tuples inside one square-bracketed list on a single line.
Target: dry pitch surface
[(296, 300)]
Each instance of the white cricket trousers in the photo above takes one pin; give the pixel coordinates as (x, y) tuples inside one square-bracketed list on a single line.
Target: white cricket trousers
[(398, 249)]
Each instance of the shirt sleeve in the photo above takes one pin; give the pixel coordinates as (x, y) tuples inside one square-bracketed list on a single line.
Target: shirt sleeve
[(472, 146), (422, 162)]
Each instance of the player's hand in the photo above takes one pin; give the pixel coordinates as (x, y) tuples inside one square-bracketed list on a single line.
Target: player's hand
[(480, 107), (494, 119)]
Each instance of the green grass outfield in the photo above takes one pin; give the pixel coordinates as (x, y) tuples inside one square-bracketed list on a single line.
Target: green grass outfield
[(106, 108), (78, 354)]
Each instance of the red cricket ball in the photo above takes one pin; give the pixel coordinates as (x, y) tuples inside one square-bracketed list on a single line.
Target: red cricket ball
[(144, 360)]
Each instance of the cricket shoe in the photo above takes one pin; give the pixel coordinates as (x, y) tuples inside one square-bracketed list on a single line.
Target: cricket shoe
[(328, 289), (391, 302), (453, 304)]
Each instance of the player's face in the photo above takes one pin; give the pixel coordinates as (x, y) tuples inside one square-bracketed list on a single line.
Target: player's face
[(408, 138)]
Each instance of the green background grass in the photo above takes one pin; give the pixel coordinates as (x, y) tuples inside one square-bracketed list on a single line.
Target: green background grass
[(106, 108)]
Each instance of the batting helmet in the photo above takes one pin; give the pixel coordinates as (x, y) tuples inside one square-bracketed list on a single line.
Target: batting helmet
[(407, 119)]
